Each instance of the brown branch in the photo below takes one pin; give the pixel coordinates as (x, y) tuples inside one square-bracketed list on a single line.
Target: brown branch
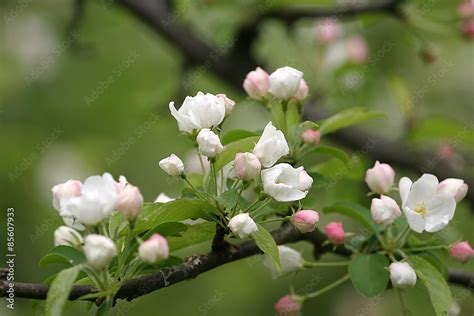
[(198, 264)]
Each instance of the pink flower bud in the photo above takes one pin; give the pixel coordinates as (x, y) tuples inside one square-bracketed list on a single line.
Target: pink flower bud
[(311, 137), (302, 92), (154, 249), (229, 103), (468, 29), (465, 9), (130, 202), (328, 30), (455, 187), (247, 166), (380, 177), (335, 233), (385, 210), (65, 190), (305, 220), (257, 84), (357, 50), (446, 152), (461, 251), (289, 305)]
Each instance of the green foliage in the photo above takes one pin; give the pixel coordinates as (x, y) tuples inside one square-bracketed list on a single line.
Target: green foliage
[(266, 243), (59, 291), (155, 214), (235, 135), (194, 234), (369, 274), (438, 289), (331, 151), (66, 255), (354, 211), (242, 145), (352, 116)]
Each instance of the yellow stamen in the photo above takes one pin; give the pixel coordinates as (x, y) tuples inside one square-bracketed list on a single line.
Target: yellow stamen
[(421, 208)]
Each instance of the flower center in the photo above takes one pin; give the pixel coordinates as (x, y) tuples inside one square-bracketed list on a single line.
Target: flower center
[(421, 208)]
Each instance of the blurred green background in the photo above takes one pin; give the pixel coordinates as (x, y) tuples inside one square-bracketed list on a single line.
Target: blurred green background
[(95, 100)]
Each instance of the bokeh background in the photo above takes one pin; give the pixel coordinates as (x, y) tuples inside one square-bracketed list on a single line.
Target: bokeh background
[(83, 98)]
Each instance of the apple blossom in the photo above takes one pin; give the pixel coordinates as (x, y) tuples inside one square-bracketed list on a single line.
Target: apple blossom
[(328, 30), (198, 112), (424, 207), (67, 236), (455, 187), (163, 198), (209, 143), (380, 177), (96, 202), (285, 183), (242, 225), (271, 146), (311, 137), (385, 210), (257, 84), (302, 92), (246, 166), (290, 260), (357, 50), (465, 9), (285, 82), (99, 250), (402, 274), (335, 233), (130, 202), (66, 190), (172, 165), (154, 249), (305, 220), (289, 305), (229, 103), (461, 251)]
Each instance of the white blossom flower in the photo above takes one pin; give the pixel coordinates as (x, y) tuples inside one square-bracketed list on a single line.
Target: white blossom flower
[(163, 198), (284, 82), (246, 165), (290, 261), (96, 202), (209, 143), (154, 249), (271, 146), (402, 274), (130, 202), (198, 112), (67, 236), (285, 183), (424, 207), (172, 165), (257, 84), (242, 225), (380, 177), (99, 250), (385, 210)]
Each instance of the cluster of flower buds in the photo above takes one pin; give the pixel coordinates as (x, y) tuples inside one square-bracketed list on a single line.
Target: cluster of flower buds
[(284, 84)]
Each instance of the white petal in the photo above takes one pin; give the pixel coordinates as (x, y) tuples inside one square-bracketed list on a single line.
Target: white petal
[(404, 187), (440, 211), (422, 190), (415, 220)]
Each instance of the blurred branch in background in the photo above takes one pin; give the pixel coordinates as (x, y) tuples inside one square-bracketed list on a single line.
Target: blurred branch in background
[(198, 264), (235, 64)]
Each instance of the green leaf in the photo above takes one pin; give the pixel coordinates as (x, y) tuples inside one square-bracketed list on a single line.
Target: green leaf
[(347, 118), (167, 229), (332, 151), (267, 244), (236, 135), (230, 197), (195, 234), (67, 255), (59, 291), (436, 285), (309, 125), (243, 145), (155, 214), (355, 211), (369, 274)]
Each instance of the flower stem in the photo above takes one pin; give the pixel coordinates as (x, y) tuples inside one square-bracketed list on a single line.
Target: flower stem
[(402, 237), (309, 264), (327, 288), (214, 178), (425, 248), (234, 209), (265, 203), (405, 311), (198, 193)]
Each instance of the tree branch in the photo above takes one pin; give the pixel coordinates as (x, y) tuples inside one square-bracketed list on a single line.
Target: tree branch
[(198, 264)]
